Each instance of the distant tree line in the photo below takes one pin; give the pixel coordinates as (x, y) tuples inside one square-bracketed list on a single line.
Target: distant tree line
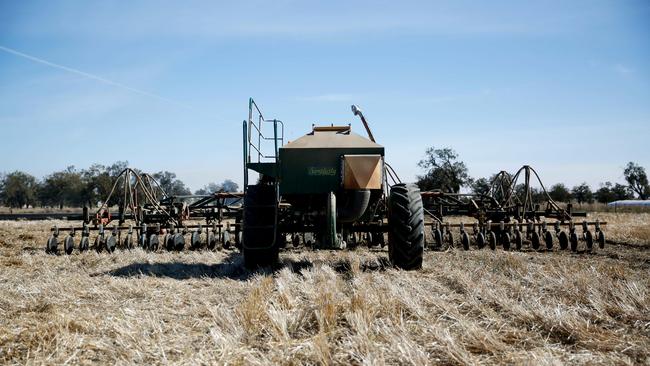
[(442, 170), (445, 171), (86, 187)]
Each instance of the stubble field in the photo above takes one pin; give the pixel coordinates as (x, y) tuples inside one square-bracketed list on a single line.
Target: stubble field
[(326, 307)]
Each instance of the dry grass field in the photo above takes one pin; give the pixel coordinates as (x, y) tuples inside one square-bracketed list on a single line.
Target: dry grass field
[(326, 307)]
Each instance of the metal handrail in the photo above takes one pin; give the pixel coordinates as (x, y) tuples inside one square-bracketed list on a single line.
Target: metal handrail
[(256, 145)]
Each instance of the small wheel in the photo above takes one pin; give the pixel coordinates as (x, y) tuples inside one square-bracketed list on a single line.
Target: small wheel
[(226, 240), (111, 243), (573, 239), (350, 239), (154, 241), (518, 240), (601, 239), (505, 240), (128, 242), (144, 242), (563, 238), (370, 242), (492, 240), (308, 239), (179, 241), (212, 240), (99, 244), (464, 240), (169, 241), (51, 246), (450, 238), (84, 244), (381, 240), (589, 240), (69, 245), (437, 237), (548, 240), (195, 240), (534, 240), (480, 240)]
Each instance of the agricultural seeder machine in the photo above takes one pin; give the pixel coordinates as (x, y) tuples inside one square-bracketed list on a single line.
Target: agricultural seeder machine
[(511, 213), (331, 188)]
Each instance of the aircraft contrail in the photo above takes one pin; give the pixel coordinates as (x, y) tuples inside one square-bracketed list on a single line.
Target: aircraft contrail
[(91, 76)]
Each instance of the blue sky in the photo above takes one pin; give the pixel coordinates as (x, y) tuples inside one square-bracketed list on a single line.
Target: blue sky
[(562, 86)]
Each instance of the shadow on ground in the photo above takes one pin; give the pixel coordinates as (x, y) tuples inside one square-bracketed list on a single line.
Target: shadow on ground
[(233, 268)]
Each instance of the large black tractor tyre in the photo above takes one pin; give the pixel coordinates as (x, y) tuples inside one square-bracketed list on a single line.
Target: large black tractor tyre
[(258, 244), (406, 226)]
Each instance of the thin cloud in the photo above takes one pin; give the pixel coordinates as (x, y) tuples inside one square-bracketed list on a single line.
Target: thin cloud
[(93, 77), (623, 70)]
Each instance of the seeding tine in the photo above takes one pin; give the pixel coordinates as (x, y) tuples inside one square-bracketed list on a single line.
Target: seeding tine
[(587, 236), (143, 237), (517, 234), (437, 235), (562, 236), (169, 237), (226, 238), (573, 237), (534, 236), (480, 240), (601, 235), (154, 240), (112, 240), (68, 245), (491, 236), (475, 232), (450, 235), (52, 242), (505, 236), (85, 240), (179, 239), (464, 237), (127, 243), (213, 237), (99, 240), (548, 239), (295, 240), (195, 239)]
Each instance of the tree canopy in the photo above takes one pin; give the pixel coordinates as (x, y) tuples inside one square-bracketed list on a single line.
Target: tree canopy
[(443, 170), (637, 180), (582, 194), (86, 187), (18, 189), (560, 193)]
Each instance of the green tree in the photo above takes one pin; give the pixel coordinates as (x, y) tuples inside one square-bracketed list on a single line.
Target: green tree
[(560, 193), (210, 188), (443, 171), (170, 184), (637, 180), (19, 189), (536, 195), (62, 188), (582, 193), (622, 192), (480, 186), (98, 180), (229, 186), (226, 186), (604, 194)]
